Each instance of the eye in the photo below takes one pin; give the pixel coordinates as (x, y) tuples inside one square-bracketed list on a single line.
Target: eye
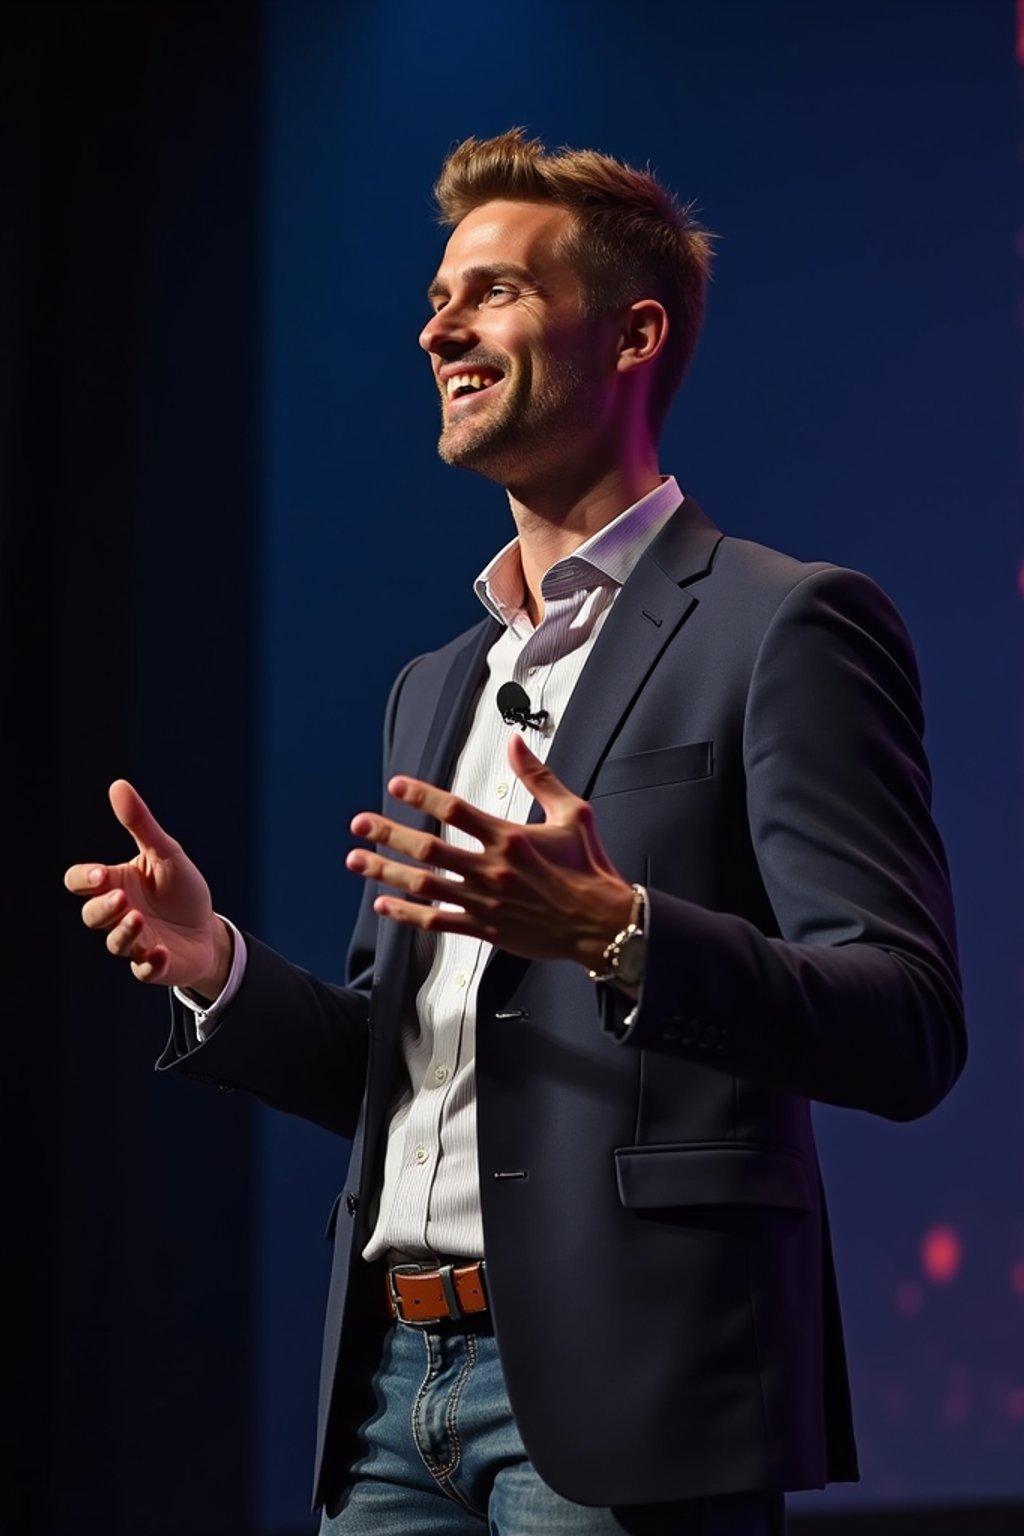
[(498, 293)]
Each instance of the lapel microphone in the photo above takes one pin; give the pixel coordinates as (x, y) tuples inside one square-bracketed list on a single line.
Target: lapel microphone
[(514, 707)]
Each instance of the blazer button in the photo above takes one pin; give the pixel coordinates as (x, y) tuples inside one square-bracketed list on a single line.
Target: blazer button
[(671, 1030), (351, 1203), (689, 1034)]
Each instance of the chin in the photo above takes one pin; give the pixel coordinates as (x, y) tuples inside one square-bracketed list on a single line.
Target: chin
[(475, 457), (485, 452)]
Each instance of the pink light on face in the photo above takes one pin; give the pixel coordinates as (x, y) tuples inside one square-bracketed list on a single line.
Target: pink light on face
[(1017, 1278), (1020, 580), (941, 1255), (1015, 1403)]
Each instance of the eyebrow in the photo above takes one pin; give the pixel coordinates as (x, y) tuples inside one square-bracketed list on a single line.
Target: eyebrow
[(485, 274)]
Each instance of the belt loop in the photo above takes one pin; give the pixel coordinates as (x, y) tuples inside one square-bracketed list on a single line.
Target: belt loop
[(448, 1287)]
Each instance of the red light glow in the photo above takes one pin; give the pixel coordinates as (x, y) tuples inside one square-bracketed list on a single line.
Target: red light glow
[(941, 1255)]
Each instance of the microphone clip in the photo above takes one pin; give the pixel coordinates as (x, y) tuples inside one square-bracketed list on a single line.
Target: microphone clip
[(514, 707)]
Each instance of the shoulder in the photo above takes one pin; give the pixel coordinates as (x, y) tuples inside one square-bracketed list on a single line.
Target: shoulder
[(760, 572), (424, 676), (751, 580), (436, 664), (770, 586)]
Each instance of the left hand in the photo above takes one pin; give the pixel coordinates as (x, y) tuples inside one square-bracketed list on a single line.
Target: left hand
[(546, 891)]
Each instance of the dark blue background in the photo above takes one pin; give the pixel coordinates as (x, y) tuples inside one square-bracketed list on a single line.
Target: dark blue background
[(855, 398)]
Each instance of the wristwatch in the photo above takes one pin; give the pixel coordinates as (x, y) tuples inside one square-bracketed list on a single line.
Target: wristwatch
[(625, 956)]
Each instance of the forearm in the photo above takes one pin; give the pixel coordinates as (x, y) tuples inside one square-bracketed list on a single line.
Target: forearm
[(857, 1024), (296, 1043)]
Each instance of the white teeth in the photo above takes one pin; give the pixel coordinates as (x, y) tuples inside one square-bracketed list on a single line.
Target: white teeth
[(469, 381)]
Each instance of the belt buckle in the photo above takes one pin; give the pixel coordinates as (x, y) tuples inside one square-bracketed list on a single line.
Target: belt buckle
[(445, 1273)]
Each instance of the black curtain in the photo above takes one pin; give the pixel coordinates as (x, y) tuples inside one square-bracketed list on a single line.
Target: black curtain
[(129, 430)]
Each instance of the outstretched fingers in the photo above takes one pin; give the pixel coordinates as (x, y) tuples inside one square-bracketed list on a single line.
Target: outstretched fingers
[(86, 879), (445, 807), (95, 879), (436, 919), (415, 880), (135, 816), (423, 847), (555, 800)]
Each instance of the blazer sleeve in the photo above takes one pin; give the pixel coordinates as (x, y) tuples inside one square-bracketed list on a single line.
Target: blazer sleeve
[(856, 999)]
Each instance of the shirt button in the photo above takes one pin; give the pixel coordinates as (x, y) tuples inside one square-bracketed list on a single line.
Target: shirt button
[(532, 671), (502, 791), (421, 1154), (440, 1074), (460, 978)]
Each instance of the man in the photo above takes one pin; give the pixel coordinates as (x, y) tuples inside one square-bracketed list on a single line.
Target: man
[(655, 868)]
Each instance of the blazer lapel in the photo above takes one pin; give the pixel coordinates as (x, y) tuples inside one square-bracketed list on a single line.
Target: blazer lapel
[(648, 611), (445, 734), (451, 715)]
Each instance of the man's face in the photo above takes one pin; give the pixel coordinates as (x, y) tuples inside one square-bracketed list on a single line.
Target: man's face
[(523, 376)]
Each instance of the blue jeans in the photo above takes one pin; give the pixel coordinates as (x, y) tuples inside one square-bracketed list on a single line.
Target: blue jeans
[(441, 1456)]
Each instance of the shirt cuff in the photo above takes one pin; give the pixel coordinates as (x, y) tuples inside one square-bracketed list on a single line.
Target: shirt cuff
[(207, 1015)]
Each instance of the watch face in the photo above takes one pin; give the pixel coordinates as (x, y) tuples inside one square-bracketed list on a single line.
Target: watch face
[(632, 954)]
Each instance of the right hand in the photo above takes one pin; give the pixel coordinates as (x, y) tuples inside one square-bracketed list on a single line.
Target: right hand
[(156, 909)]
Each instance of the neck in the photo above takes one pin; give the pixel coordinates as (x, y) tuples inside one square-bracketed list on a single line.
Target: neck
[(555, 519)]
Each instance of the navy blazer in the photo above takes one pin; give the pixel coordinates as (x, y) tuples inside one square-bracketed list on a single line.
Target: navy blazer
[(748, 729)]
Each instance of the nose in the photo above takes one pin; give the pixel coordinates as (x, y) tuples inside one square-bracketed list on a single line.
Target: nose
[(447, 333)]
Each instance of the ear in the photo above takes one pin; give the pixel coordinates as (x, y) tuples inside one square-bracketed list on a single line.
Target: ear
[(642, 336)]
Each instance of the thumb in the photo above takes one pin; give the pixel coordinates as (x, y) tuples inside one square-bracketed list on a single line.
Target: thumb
[(135, 816), (545, 786)]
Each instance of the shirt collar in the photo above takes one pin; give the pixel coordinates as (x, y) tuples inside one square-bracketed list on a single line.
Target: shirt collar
[(607, 557)]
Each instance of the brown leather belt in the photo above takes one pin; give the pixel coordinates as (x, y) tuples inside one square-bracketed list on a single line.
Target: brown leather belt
[(420, 1295)]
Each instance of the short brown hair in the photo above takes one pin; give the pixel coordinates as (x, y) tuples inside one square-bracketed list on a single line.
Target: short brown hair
[(632, 239)]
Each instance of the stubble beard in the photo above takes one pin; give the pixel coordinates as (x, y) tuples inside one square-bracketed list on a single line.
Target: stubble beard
[(527, 432)]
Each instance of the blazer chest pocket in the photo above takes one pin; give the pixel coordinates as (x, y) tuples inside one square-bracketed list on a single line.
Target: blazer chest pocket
[(646, 770), (708, 1174)]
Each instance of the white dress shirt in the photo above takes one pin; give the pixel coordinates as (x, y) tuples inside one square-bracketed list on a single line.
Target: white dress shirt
[(430, 1196)]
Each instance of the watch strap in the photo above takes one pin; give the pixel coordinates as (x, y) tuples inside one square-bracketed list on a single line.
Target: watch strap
[(613, 951)]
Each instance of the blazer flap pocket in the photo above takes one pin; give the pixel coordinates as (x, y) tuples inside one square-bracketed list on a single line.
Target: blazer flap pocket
[(645, 770), (724, 1173)]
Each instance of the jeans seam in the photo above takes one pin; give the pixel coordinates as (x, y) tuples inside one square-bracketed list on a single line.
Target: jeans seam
[(414, 1417), (454, 1399), (441, 1472), (445, 1471)]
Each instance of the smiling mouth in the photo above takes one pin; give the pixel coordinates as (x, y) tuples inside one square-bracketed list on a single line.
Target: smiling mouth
[(460, 386)]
